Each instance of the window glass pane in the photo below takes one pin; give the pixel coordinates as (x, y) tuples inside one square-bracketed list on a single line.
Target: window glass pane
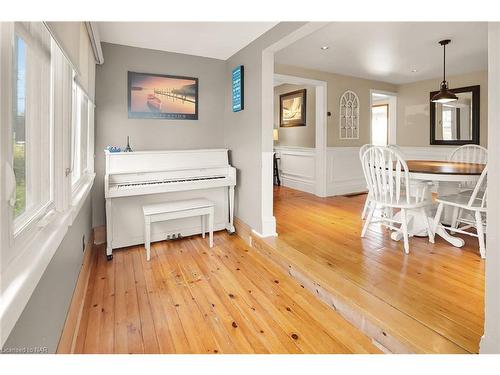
[(84, 134), (32, 135), (76, 135), (19, 126)]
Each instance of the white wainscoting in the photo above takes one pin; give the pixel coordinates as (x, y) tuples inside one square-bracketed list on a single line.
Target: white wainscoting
[(428, 153), (297, 165), (343, 168), (343, 171)]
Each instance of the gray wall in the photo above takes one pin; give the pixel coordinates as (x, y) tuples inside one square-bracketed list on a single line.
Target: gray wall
[(42, 320), (337, 84), (298, 136), (243, 130), (414, 110), (113, 124)]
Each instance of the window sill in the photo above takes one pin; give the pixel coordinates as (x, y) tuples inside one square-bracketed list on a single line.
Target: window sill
[(21, 276)]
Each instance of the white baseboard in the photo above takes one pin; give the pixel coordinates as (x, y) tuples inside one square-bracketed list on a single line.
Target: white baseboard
[(268, 227), (297, 183), (347, 187)]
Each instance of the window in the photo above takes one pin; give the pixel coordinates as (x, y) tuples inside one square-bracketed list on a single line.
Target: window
[(380, 124), (36, 81), (82, 126), (32, 130)]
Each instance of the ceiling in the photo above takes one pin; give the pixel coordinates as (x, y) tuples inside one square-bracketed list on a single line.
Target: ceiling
[(389, 51), (219, 40)]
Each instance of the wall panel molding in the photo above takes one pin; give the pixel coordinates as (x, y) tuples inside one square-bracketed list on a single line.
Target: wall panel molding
[(344, 173), (297, 167)]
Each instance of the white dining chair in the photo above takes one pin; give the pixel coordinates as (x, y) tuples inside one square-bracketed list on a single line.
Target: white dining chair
[(469, 154), (474, 202), (398, 149), (466, 154), (362, 150), (388, 181)]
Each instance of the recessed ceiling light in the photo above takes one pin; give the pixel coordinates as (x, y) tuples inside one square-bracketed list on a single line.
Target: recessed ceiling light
[(414, 70), (324, 48)]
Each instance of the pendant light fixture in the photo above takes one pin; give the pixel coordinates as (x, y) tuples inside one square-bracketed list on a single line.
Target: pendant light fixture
[(444, 95)]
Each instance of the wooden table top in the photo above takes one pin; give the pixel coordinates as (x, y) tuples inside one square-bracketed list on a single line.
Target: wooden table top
[(444, 167)]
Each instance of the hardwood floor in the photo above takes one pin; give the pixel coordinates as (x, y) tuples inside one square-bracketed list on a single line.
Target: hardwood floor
[(436, 286), (193, 299)]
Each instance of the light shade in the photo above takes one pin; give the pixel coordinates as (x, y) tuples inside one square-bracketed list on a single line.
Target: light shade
[(275, 134), (444, 95)]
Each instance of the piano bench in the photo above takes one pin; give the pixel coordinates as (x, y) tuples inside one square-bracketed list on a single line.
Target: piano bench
[(175, 210)]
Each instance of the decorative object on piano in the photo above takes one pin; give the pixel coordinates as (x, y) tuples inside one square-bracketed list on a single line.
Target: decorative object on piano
[(293, 108), (238, 88), (113, 149), (349, 115), (128, 148), (158, 96)]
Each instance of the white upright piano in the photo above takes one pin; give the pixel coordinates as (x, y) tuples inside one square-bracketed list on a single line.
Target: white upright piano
[(136, 178)]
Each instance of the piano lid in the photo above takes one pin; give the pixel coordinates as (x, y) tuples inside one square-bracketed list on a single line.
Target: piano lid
[(154, 161)]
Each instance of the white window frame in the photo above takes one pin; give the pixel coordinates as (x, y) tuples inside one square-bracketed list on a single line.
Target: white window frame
[(22, 265), (88, 171), (25, 226)]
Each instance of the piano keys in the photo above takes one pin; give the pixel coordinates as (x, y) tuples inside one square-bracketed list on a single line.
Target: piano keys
[(133, 179)]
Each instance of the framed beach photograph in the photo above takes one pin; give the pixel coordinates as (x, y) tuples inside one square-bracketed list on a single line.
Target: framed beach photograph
[(293, 108), (158, 96)]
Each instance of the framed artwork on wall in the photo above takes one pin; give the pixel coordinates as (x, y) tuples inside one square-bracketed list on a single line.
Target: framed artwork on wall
[(238, 88), (293, 108), (158, 96)]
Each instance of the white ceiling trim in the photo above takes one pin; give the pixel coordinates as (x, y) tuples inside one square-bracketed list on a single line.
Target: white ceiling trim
[(218, 40)]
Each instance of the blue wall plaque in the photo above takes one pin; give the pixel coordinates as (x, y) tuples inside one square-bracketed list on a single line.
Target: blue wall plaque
[(238, 88)]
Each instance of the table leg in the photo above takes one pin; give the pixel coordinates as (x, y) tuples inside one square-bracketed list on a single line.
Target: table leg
[(447, 188), (416, 227)]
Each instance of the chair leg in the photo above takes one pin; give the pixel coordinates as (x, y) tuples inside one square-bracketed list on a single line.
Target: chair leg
[(430, 233), (437, 218), (365, 207), (211, 228), (368, 219), (480, 234), (404, 229), (454, 219)]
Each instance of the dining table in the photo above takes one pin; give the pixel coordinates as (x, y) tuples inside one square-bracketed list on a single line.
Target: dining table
[(448, 177)]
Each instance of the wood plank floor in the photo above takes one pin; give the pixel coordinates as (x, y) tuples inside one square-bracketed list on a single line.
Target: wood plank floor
[(193, 299), (437, 284)]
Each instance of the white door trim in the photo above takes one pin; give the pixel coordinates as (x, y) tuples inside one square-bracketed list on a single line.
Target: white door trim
[(320, 137), (393, 108), (490, 343), (268, 221)]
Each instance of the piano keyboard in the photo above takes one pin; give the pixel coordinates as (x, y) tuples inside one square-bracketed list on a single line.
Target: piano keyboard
[(149, 183)]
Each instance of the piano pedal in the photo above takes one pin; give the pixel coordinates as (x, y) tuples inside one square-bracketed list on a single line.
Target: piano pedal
[(175, 236)]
